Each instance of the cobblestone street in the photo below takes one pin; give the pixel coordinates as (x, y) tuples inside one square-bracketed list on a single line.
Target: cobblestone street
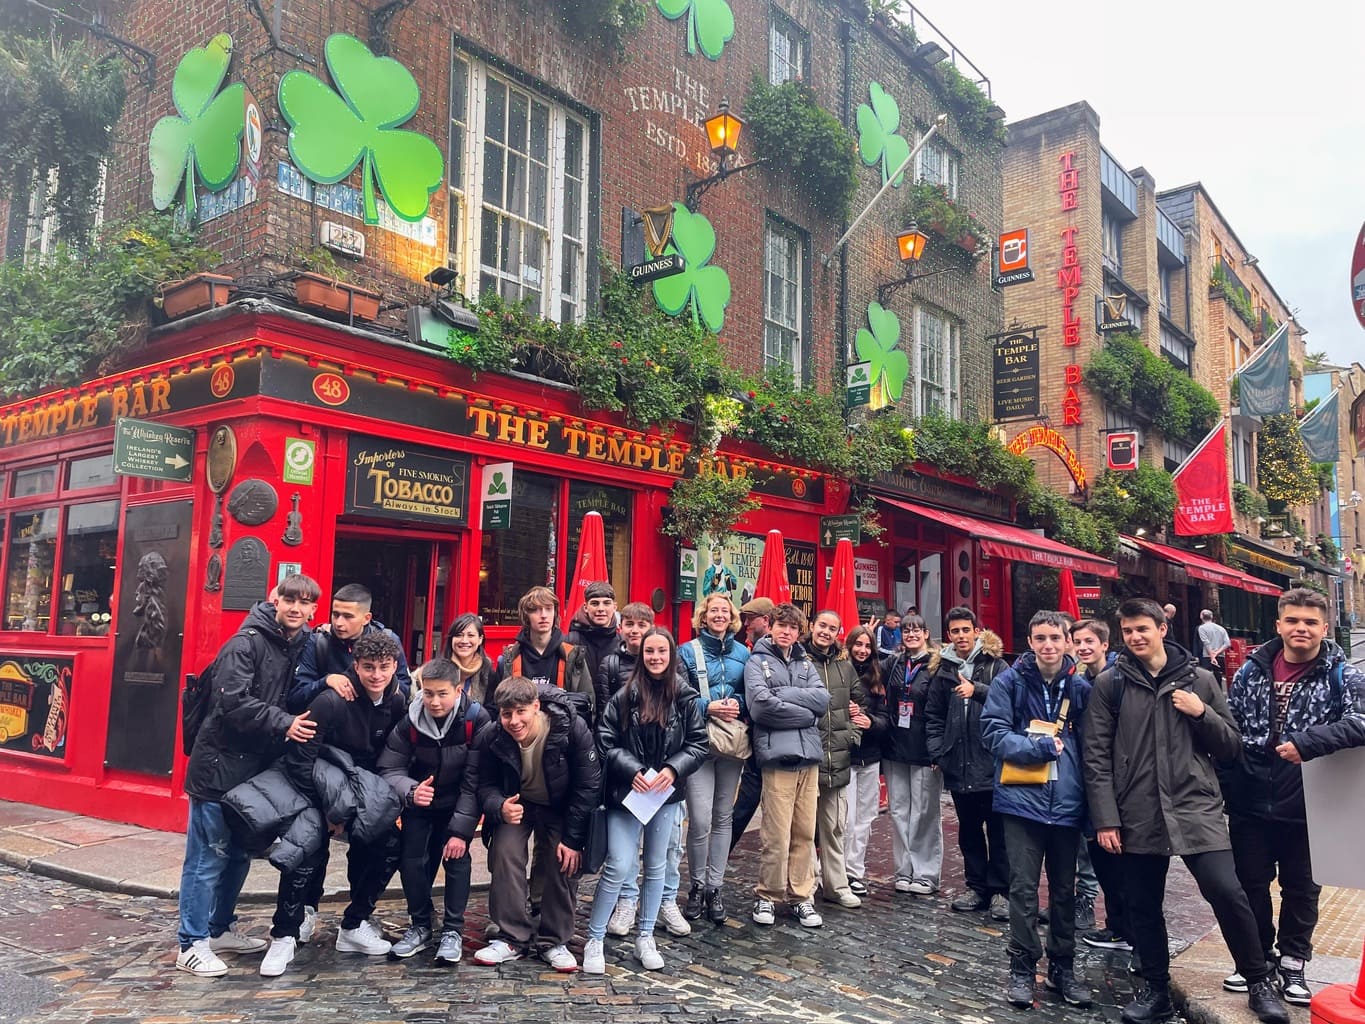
[(108, 957)]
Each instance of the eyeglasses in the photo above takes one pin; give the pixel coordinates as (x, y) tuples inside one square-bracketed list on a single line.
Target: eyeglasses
[(915, 629)]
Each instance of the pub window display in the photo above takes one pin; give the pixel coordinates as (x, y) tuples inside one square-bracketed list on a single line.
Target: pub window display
[(31, 555), (89, 557)]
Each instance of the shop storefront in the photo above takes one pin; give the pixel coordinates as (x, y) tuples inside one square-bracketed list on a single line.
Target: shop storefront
[(1246, 603), (310, 449)]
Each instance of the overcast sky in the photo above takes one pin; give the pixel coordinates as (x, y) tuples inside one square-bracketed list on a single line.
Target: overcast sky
[(1264, 105)]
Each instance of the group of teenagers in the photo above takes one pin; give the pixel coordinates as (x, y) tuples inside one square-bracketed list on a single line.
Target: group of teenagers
[(1093, 767)]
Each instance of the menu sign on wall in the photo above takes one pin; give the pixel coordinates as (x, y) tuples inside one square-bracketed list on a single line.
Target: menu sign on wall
[(404, 481), (35, 704), (1016, 375)]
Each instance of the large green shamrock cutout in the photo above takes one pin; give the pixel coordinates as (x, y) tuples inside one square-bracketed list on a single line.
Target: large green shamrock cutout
[(709, 22), (208, 133), (706, 288), (332, 133), (888, 364), (877, 138)]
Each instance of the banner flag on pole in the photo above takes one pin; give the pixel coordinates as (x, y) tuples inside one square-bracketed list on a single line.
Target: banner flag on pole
[(1203, 495), (1264, 378), (1321, 430)]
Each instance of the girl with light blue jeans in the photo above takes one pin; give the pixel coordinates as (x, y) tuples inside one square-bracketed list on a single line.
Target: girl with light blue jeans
[(652, 737)]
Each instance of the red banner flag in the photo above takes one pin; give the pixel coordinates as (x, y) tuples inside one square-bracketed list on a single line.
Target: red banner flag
[(1203, 497)]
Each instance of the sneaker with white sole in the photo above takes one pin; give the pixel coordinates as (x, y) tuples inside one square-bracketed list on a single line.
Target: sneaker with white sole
[(363, 938), (920, 887), (845, 899), (806, 916), (648, 953), (622, 920), (764, 911), (673, 919), (414, 940), (594, 960), (233, 941), (903, 884), (309, 926), (1234, 982), (497, 952), (201, 961), (279, 956), (451, 948), (560, 959), (1293, 986)]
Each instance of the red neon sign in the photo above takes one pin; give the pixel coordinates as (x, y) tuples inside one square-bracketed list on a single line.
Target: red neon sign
[(1069, 284)]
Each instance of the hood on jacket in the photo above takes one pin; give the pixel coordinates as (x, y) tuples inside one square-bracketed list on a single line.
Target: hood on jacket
[(1264, 655), (528, 649), (1178, 660), (1109, 660), (835, 652), (262, 619), (988, 643), (766, 646), (715, 645), (422, 720), (1027, 667)]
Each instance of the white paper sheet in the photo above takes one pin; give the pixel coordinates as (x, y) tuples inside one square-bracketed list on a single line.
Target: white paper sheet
[(645, 805)]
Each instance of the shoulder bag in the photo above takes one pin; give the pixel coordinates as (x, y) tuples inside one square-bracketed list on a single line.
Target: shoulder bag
[(728, 737), (1012, 774)]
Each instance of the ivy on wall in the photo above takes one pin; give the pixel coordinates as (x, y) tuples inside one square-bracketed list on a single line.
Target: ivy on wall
[(610, 23), (790, 130), (1128, 374)]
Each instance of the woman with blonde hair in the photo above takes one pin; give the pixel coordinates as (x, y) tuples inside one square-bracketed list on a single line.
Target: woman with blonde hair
[(714, 663)]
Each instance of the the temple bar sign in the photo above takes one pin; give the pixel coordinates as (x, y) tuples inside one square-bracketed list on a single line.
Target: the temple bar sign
[(1053, 441)]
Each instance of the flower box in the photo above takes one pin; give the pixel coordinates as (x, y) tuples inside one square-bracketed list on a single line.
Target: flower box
[(333, 296), (201, 291)]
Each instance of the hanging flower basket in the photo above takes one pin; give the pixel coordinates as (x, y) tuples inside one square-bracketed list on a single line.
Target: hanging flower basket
[(317, 291), (192, 294)]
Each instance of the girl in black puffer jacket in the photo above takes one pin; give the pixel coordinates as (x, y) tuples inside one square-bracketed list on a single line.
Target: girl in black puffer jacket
[(864, 788), (652, 737)]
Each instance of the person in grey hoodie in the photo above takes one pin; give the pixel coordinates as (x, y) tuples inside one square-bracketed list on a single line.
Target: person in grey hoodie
[(786, 701)]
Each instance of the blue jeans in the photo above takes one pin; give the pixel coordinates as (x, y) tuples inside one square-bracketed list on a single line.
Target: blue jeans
[(623, 846), (630, 888), (214, 872)]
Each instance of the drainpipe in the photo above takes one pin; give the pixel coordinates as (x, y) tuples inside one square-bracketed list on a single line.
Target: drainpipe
[(846, 41)]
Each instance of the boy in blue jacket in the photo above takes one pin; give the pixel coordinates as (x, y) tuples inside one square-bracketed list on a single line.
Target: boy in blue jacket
[(1032, 720)]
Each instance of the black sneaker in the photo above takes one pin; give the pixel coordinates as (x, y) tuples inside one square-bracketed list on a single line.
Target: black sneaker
[(715, 906), (696, 902), (1234, 982), (1085, 912), (971, 900), (1103, 938), (1019, 992), (1293, 987), (1061, 978), (1150, 1006), (857, 886), (1264, 1000)]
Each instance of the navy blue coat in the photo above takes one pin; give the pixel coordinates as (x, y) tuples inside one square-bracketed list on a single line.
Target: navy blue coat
[(1018, 696)]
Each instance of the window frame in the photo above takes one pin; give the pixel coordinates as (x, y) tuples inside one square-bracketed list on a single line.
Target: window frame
[(798, 364), (783, 25), (950, 163), (952, 388), (1111, 243)]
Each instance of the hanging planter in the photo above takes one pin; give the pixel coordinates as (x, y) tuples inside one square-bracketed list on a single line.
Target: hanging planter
[(192, 294), (330, 295)]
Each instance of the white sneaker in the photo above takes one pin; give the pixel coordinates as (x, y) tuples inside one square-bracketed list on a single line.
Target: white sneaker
[(903, 885), (201, 961), (845, 899), (594, 962), (673, 919), (920, 887), (764, 912), (497, 952), (363, 938), (279, 956), (648, 953), (309, 927), (622, 920), (560, 959), (233, 941)]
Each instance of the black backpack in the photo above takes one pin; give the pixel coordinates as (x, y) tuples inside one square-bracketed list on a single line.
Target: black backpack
[(194, 703)]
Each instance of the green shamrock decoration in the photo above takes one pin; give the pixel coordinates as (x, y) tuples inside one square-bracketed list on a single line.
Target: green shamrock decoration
[(888, 365), (877, 138), (709, 22), (498, 485), (331, 133), (207, 134), (860, 375), (707, 289)]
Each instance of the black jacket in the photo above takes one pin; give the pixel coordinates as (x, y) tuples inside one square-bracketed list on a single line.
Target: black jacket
[(244, 729), (360, 727), (907, 745), (838, 734), (329, 655), (418, 749), (573, 678), (953, 728), (614, 672), (573, 771), (629, 748), (596, 643), (1149, 769)]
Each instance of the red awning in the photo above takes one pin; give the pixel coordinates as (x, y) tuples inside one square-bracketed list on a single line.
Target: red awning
[(1200, 567), (1000, 540)]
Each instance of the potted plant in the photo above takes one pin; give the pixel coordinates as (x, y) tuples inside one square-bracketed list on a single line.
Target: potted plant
[(323, 284), (196, 292)]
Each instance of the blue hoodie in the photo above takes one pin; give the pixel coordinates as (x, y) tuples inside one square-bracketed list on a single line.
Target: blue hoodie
[(1018, 696)]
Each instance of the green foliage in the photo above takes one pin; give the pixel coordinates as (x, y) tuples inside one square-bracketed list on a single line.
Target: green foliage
[(608, 22), (796, 423), (707, 503), (1237, 297), (973, 451), (929, 207), (59, 102), (1313, 361), (1331, 554), (1249, 502), (1128, 374), (971, 107), (883, 444), (1284, 470), (1062, 520), (1143, 497), (68, 312), (790, 130), (1326, 474)]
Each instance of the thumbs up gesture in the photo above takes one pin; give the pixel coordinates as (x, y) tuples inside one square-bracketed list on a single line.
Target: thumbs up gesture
[(424, 792)]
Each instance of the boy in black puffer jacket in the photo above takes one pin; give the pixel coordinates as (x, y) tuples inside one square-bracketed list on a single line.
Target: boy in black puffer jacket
[(426, 763)]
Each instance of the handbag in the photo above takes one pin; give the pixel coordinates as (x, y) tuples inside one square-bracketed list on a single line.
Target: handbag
[(595, 849), (726, 737), (1012, 774)]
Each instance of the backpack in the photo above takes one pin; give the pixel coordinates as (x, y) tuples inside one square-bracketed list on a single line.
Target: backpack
[(194, 703)]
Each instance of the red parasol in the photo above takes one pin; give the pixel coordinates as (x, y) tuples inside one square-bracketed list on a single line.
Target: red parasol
[(772, 571), (1066, 594), (841, 596), (591, 565)]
